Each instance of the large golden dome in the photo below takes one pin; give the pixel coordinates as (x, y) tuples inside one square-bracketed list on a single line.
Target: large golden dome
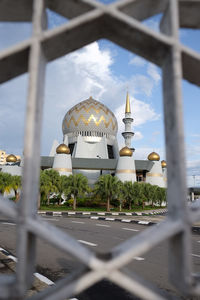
[(163, 164), (11, 158), (89, 118), (153, 156), (62, 149), (125, 152)]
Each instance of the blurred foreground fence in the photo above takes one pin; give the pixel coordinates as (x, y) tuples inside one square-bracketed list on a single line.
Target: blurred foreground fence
[(119, 22)]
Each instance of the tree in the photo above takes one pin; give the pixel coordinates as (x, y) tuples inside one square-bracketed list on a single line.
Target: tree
[(53, 179), (137, 193), (129, 193), (63, 182), (107, 186), (5, 183), (147, 193), (76, 185), (161, 195), (15, 185), (120, 194)]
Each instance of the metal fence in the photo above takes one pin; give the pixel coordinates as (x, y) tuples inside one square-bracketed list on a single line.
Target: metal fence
[(119, 22)]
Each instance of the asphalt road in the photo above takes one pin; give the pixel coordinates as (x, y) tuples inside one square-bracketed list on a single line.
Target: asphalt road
[(100, 236)]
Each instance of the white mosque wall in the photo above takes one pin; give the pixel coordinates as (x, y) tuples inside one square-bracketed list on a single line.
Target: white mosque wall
[(155, 175), (116, 149), (164, 171), (65, 139), (12, 170), (63, 164), (91, 150), (125, 170)]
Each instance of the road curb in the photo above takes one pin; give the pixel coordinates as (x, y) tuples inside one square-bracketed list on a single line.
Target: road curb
[(74, 213), (102, 217)]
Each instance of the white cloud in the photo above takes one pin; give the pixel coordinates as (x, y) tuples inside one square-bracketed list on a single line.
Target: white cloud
[(138, 136), (73, 78), (143, 152), (137, 61), (152, 70)]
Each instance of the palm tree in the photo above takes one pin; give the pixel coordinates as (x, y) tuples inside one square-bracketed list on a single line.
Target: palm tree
[(76, 185), (63, 182), (16, 184), (107, 186), (44, 187), (129, 193), (148, 193), (137, 193), (120, 194), (5, 183), (53, 179)]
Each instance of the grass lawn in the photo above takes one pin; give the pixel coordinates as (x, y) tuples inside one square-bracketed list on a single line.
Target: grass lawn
[(100, 209)]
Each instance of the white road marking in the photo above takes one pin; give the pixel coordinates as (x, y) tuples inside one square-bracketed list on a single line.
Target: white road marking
[(38, 275), (109, 219), (12, 257), (95, 218), (102, 225), (143, 222), (87, 243), (131, 229), (139, 258), (7, 223), (50, 219), (126, 220), (43, 279), (57, 213), (195, 255), (78, 222)]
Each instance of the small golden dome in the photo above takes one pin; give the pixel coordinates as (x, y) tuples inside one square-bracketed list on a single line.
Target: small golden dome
[(125, 152), (163, 164), (62, 149), (154, 156), (11, 158)]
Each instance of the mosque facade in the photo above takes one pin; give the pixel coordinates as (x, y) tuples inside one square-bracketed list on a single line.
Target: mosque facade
[(90, 147)]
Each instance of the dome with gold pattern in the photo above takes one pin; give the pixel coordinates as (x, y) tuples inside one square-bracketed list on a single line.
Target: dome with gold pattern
[(163, 164), (125, 152), (62, 149), (90, 118), (11, 158), (153, 156)]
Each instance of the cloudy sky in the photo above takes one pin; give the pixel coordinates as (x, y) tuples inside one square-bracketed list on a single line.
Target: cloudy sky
[(105, 72)]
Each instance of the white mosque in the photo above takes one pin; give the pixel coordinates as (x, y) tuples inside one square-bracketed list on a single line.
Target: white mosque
[(90, 147)]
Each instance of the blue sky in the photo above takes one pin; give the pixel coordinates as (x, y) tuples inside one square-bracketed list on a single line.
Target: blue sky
[(104, 71)]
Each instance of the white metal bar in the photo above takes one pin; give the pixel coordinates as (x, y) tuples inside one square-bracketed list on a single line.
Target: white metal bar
[(63, 241), (28, 203), (8, 208), (137, 286), (141, 243), (180, 245)]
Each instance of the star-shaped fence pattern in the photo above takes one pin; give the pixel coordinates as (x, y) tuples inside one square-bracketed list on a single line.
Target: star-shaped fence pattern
[(119, 22)]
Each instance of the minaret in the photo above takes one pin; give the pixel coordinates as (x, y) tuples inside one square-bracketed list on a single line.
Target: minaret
[(128, 133), (62, 160)]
